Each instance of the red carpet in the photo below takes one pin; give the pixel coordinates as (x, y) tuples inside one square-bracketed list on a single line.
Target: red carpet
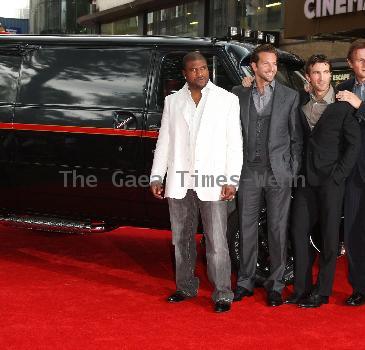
[(108, 292)]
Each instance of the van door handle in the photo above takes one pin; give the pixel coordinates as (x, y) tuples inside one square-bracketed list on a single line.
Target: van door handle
[(124, 120), (154, 127)]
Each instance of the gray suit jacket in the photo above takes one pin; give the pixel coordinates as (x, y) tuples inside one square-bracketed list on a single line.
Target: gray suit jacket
[(285, 135)]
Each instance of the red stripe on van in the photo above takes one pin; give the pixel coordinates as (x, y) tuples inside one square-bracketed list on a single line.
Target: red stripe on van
[(150, 134), (79, 130), (71, 129)]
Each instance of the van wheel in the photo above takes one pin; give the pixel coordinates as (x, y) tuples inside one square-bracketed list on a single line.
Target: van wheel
[(263, 258)]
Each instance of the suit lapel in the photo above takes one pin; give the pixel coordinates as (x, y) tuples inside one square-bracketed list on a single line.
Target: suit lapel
[(245, 100), (304, 121), (209, 102), (322, 118), (277, 103), (349, 84), (305, 98), (186, 108)]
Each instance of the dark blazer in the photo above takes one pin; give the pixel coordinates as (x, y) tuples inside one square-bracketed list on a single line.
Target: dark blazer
[(285, 134), (360, 115), (332, 146)]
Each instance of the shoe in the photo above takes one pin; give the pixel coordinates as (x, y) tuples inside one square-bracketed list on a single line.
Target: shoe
[(178, 296), (314, 300), (274, 298), (240, 293), (222, 306), (294, 298), (355, 299)]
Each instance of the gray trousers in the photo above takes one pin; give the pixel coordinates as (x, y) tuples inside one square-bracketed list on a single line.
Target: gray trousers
[(184, 214), (277, 200)]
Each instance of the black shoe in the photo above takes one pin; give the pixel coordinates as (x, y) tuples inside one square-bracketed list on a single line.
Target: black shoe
[(355, 299), (314, 300), (178, 296), (294, 298), (222, 306), (274, 298), (240, 293)]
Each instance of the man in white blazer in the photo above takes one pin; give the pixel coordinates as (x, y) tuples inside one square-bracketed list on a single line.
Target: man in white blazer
[(200, 148)]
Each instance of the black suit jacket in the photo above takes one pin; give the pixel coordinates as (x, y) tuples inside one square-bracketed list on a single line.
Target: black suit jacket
[(360, 115), (332, 146), (285, 133)]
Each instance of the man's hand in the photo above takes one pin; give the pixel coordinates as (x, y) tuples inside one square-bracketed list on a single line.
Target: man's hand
[(247, 81), (156, 189), (228, 192), (350, 97), (308, 87)]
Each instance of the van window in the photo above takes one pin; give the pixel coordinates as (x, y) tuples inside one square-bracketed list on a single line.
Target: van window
[(285, 75), (85, 77), (9, 71), (171, 78)]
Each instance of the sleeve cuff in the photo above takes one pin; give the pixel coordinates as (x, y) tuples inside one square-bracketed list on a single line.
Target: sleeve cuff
[(360, 113)]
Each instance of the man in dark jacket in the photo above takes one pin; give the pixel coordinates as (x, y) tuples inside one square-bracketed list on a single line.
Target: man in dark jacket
[(272, 139), (353, 91), (331, 145)]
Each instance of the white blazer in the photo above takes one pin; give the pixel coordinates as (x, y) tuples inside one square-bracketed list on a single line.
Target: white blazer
[(218, 149)]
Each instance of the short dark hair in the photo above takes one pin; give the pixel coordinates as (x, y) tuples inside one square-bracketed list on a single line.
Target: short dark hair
[(356, 45), (263, 48), (192, 56), (317, 58)]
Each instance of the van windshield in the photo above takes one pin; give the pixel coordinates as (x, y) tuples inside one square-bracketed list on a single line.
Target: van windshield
[(290, 68)]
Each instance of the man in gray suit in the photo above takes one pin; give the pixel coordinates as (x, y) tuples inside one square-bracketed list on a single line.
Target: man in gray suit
[(272, 139)]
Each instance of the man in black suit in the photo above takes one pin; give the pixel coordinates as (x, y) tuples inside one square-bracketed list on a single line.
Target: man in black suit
[(331, 144), (353, 91), (272, 139)]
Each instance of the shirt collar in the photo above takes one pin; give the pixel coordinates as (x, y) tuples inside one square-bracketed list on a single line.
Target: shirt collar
[(271, 85), (328, 98), (205, 89), (357, 83)]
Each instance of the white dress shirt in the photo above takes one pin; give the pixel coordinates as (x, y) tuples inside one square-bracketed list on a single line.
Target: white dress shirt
[(194, 115)]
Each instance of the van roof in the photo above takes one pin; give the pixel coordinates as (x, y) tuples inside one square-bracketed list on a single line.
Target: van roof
[(139, 40), (112, 39)]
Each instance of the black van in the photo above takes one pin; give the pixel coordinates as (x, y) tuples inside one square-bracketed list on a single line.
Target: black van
[(79, 119)]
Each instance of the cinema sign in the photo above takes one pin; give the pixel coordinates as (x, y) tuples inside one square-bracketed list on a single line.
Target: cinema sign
[(323, 17), (323, 8)]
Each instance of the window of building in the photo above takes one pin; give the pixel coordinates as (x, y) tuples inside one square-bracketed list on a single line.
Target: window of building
[(107, 28), (123, 26), (261, 14), (149, 17), (57, 16), (251, 14), (182, 20)]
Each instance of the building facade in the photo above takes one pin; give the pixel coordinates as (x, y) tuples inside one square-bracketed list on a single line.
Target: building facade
[(57, 16), (183, 18), (306, 26)]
